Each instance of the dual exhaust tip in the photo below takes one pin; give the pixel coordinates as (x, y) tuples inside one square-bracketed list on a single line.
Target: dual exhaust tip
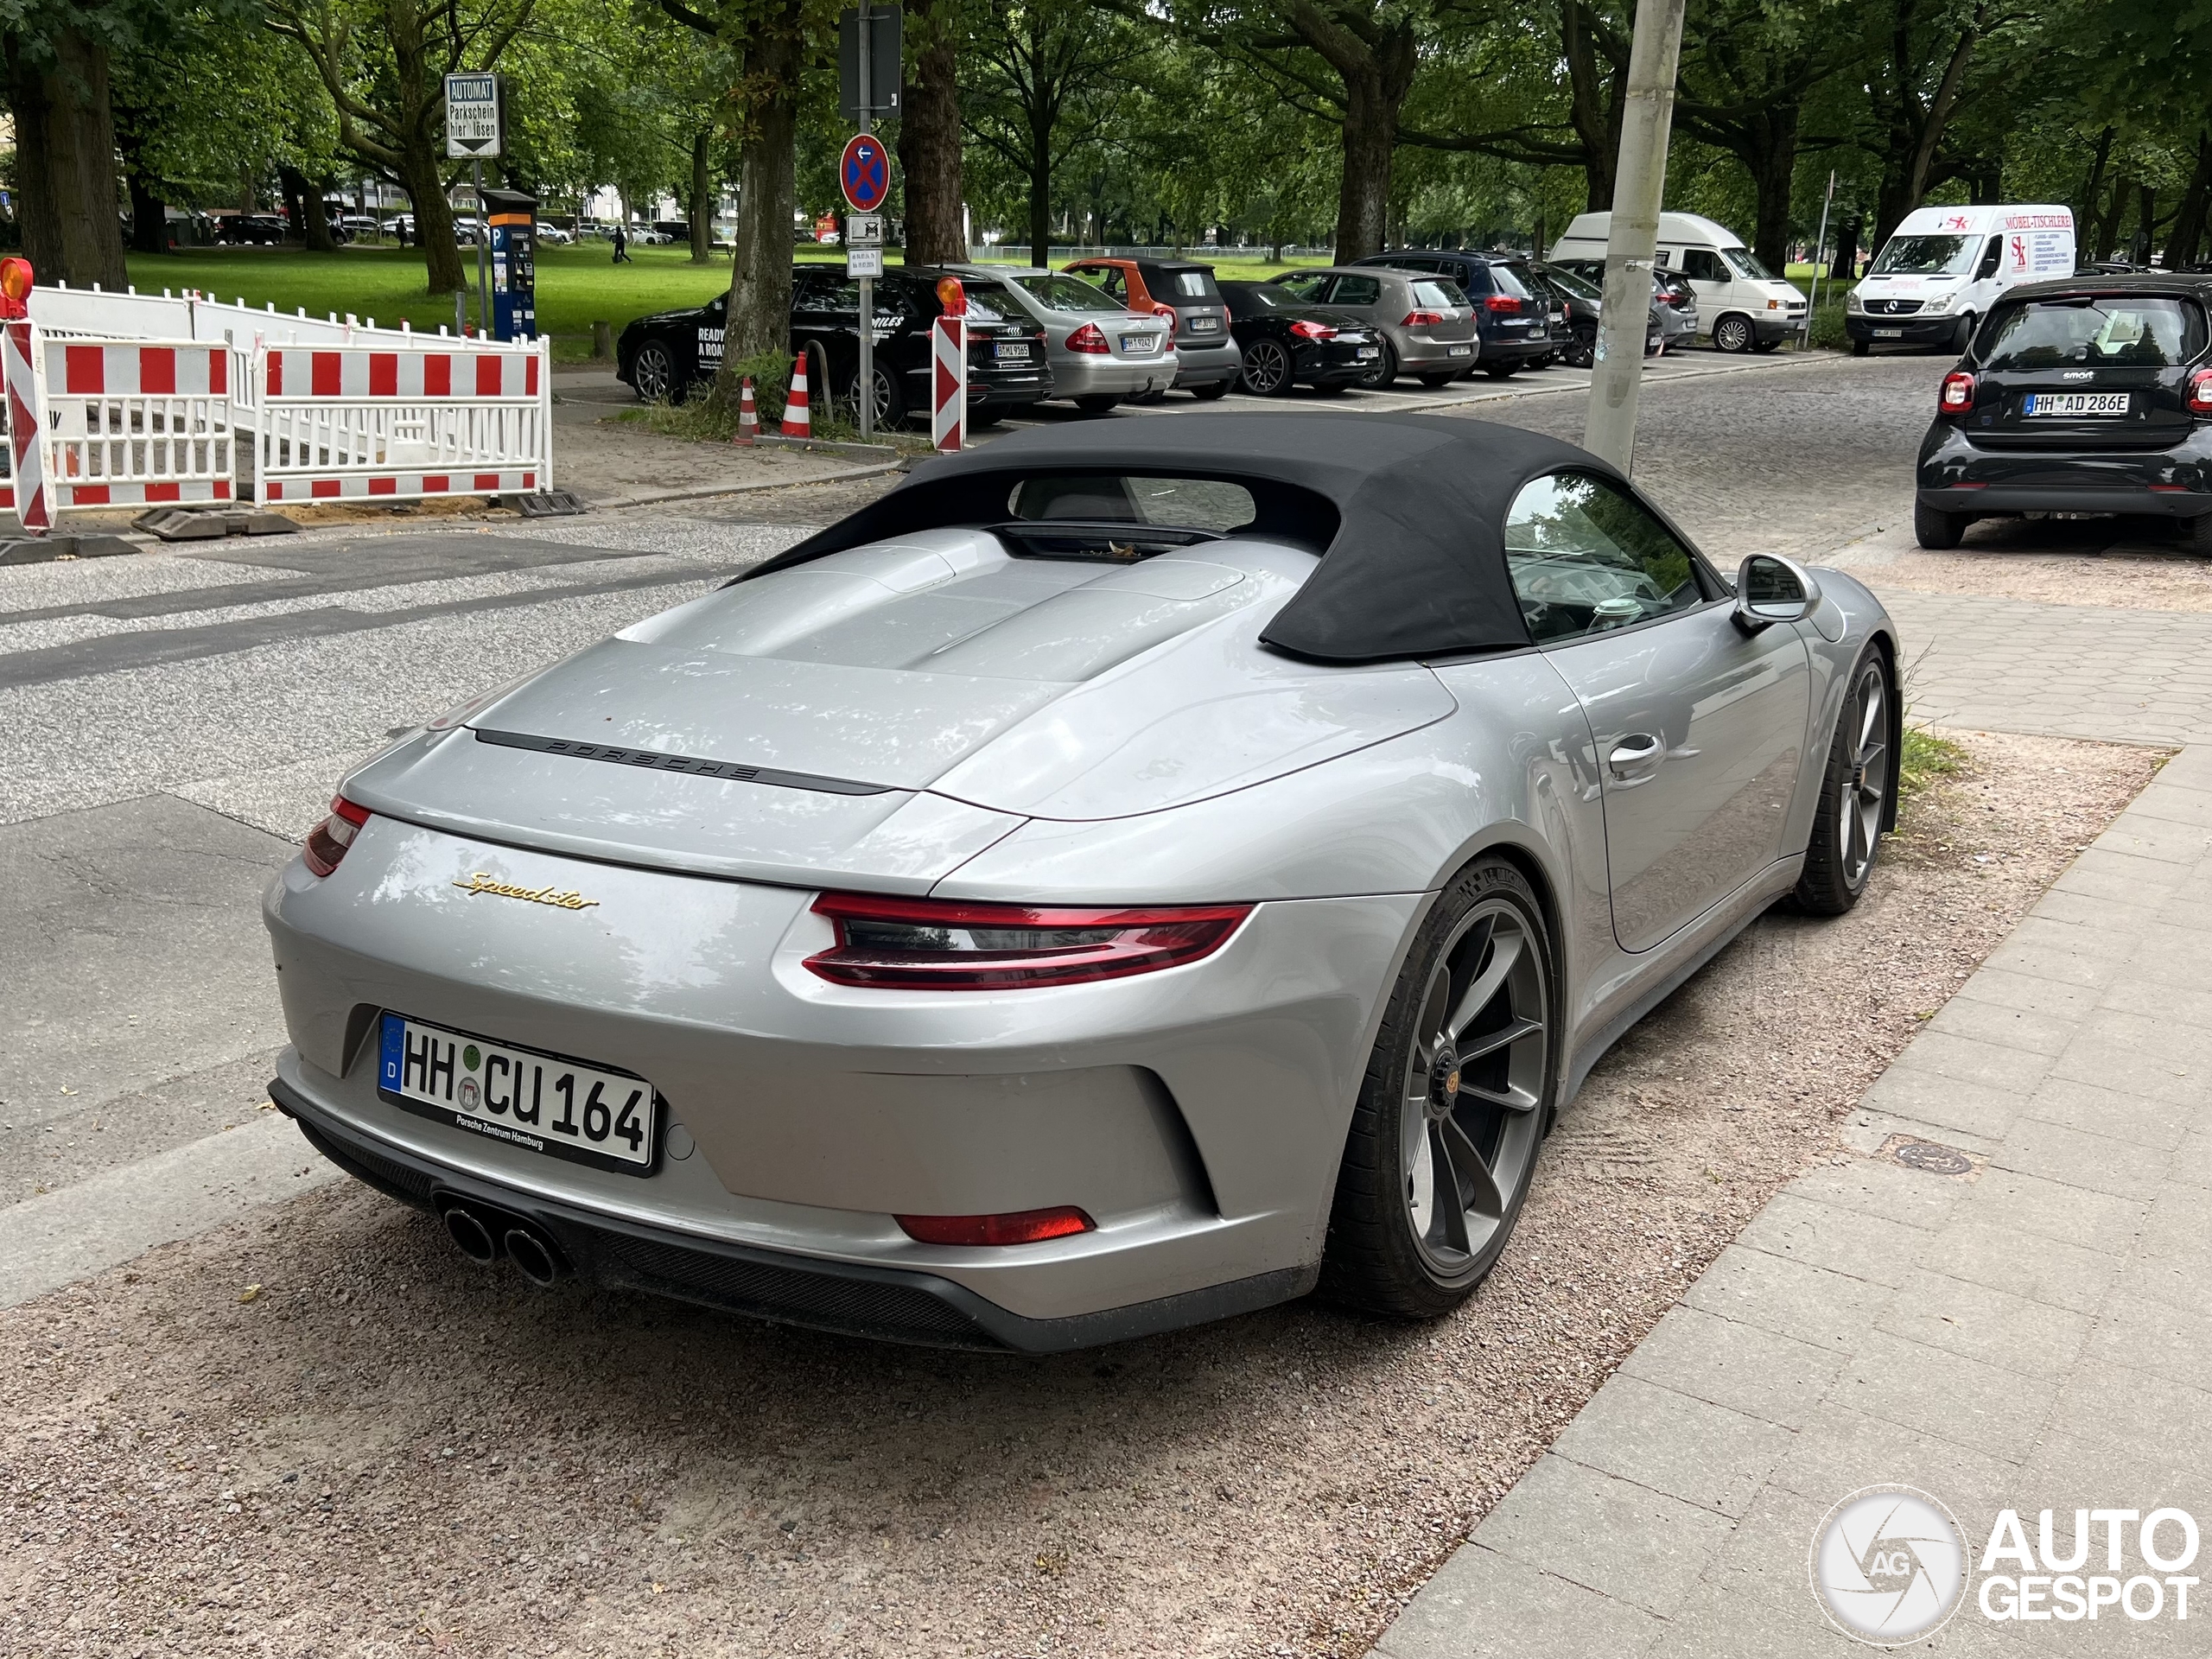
[(485, 1235)]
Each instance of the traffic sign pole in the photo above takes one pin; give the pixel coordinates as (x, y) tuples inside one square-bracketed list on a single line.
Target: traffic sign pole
[(864, 390)]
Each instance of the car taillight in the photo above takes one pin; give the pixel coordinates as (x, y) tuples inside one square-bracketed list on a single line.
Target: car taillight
[(1019, 1227), (1421, 318), (1304, 330), (2200, 392), (1957, 396), (1167, 314), (327, 841), (922, 944), (1087, 339), (1507, 304)]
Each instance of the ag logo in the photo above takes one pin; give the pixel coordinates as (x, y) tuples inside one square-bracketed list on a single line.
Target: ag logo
[(1888, 1565)]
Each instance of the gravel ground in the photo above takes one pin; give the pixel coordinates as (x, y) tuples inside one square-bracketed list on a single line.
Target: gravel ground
[(320, 1432)]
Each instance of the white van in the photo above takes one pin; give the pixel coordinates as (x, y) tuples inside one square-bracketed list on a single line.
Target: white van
[(1943, 269), (1741, 305)]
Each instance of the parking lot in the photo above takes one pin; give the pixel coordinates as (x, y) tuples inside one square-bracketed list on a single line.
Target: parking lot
[(302, 1423)]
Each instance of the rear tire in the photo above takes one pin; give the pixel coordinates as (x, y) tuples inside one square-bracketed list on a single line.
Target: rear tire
[(1099, 405), (1458, 1095), (654, 373), (1936, 530), (1212, 392), (981, 417), (1384, 372), (1268, 369), (2200, 535), (1582, 350), (1962, 336), (1862, 347), (1856, 785), (1437, 381), (1501, 370)]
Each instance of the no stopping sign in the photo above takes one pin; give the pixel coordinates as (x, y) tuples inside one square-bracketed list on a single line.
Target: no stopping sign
[(865, 173)]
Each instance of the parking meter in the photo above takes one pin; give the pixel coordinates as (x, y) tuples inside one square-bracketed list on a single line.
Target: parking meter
[(512, 219)]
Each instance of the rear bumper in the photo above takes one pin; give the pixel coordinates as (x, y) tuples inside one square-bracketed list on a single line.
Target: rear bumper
[(1207, 365), (887, 1304), (1076, 375), (1488, 351), (1955, 476), (2157, 504)]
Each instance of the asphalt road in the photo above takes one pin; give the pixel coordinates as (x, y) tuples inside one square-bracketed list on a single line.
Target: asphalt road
[(177, 719)]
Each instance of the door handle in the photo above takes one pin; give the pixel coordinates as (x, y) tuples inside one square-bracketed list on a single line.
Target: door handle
[(1636, 757)]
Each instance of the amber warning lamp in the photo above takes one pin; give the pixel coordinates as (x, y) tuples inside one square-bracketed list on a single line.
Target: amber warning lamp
[(14, 288), (949, 295)]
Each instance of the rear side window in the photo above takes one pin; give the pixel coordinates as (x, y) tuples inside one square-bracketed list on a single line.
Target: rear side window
[(1509, 280), (1308, 285), (2134, 331), (1473, 276), (1208, 503), (1439, 292), (1194, 285), (1586, 557), (1356, 290)]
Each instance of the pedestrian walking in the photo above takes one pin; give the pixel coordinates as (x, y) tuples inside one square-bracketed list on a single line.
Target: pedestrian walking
[(622, 247)]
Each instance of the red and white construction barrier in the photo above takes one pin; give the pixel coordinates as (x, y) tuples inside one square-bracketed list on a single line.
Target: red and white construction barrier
[(462, 418), (949, 383), (130, 399)]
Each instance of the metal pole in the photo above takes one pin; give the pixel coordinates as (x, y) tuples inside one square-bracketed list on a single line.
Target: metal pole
[(483, 261), (1654, 53), (864, 387), (1813, 302)]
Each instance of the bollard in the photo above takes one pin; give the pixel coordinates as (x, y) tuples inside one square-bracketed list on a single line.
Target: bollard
[(602, 340)]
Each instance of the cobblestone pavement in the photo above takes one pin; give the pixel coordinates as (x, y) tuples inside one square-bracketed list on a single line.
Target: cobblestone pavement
[(2000, 1300)]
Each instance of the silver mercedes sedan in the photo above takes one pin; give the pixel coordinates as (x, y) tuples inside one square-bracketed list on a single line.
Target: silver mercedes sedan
[(1101, 352), (1123, 877)]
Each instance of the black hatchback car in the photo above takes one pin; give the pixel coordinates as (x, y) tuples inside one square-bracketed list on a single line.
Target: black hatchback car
[(665, 355), (1287, 342), (2088, 394), (1512, 314)]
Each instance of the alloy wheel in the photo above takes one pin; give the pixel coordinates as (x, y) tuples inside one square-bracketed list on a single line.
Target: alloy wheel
[(1866, 788), (654, 373), (1470, 1120), (1733, 335), (1267, 368)]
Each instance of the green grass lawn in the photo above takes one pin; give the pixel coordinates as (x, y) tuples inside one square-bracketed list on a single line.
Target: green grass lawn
[(575, 286)]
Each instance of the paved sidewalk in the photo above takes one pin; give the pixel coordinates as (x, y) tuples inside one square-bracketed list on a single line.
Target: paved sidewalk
[(2034, 1332)]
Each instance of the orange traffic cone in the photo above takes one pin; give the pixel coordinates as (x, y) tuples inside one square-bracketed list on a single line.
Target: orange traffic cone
[(748, 419), (797, 422)]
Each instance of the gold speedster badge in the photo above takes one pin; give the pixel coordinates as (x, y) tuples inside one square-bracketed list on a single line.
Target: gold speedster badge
[(560, 899)]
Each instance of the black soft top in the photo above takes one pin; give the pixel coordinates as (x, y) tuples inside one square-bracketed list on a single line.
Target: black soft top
[(2169, 284), (1415, 566)]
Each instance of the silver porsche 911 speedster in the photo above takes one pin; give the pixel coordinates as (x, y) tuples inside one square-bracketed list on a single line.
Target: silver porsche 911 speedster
[(1120, 878)]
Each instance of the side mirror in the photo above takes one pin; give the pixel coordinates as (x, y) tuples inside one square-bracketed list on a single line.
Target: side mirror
[(1770, 589)]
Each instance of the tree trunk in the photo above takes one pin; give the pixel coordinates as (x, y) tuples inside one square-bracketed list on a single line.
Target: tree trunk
[(2085, 215), (426, 195), (65, 162), (303, 200), (1369, 143), (2188, 221), (929, 140), (759, 319), (1845, 262), (1773, 166), (703, 196), (1594, 89), (1040, 197), (149, 228)]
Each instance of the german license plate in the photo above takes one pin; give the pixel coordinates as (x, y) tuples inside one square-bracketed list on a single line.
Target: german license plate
[(1203, 325), (2062, 404), (1889, 334), (1366, 351), (1012, 351), (1140, 344), (524, 1096), (1459, 351)]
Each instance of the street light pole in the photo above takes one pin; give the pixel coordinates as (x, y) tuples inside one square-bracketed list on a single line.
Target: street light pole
[(1655, 51)]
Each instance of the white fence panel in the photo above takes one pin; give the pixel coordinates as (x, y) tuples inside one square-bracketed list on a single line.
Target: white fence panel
[(134, 422)]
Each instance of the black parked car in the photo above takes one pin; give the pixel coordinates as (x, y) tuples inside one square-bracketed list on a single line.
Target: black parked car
[(665, 355), (1512, 320), (1287, 342), (2090, 394), (1585, 301)]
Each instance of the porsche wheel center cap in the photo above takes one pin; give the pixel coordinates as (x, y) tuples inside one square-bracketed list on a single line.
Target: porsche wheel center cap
[(1444, 1083)]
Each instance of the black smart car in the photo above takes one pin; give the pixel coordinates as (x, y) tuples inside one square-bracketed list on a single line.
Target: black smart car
[(666, 354), (1512, 318), (2089, 394), (1287, 342)]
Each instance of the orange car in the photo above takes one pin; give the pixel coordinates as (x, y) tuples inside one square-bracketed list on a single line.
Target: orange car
[(1185, 292)]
